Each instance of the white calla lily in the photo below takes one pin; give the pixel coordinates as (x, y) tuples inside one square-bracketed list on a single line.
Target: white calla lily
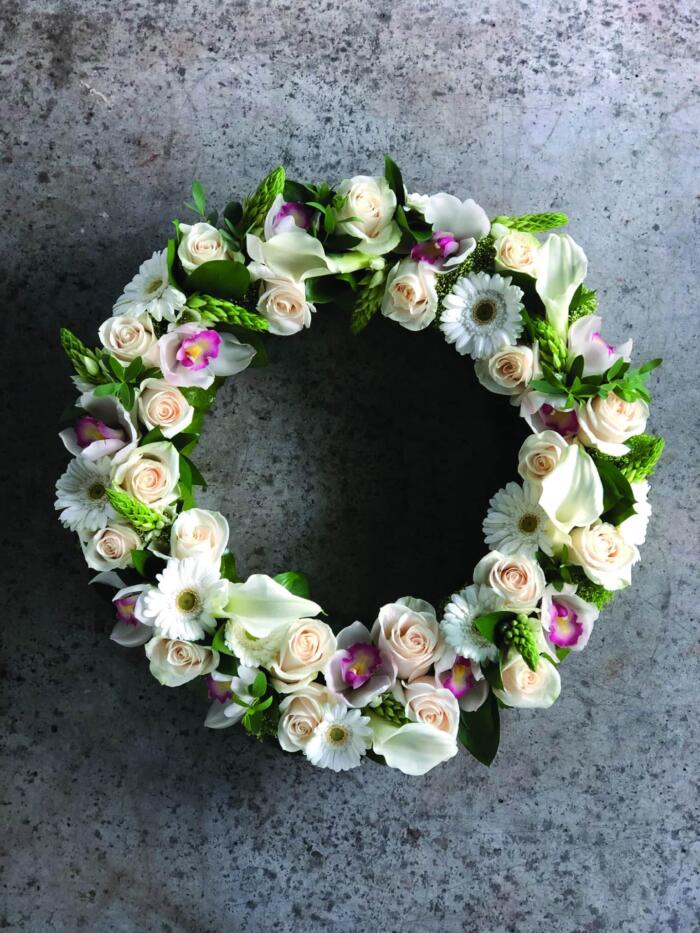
[(294, 254), (261, 605), (414, 748), (561, 267), (572, 494)]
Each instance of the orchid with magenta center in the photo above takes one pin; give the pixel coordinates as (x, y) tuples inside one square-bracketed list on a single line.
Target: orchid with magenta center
[(361, 661), (125, 606), (564, 626), (563, 422), (437, 249), (89, 429), (218, 689), (459, 679), (196, 351)]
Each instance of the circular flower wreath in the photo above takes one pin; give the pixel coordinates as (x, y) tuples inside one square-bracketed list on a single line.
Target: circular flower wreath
[(418, 682)]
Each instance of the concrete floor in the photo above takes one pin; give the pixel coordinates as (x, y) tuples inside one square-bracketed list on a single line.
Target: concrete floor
[(119, 811)]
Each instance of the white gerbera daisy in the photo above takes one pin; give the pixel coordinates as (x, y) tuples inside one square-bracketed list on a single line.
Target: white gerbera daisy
[(482, 314), (340, 740), (516, 523), (150, 291), (252, 651), (81, 493), (458, 622), (189, 596)]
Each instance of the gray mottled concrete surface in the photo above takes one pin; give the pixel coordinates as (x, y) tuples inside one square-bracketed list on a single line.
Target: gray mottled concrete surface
[(119, 811)]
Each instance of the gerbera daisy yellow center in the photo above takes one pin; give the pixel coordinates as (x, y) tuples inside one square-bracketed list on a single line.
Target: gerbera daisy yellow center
[(187, 601), (528, 523), (337, 735)]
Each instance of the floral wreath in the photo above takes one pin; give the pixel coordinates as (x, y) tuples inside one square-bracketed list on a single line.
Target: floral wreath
[(419, 682)]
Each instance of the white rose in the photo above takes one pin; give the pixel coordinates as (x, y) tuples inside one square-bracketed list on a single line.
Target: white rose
[(200, 243), (300, 713), (432, 705), (150, 474), (516, 251), (525, 688), (410, 296), (368, 213), (110, 548), (606, 423), (283, 304), (199, 533), (414, 748), (307, 645), (408, 632), (508, 371), (517, 579), (127, 338), (604, 554), (540, 454), (175, 662), (163, 406)]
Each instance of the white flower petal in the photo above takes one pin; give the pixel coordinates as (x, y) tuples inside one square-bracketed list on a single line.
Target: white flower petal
[(261, 605), (572, 494), (561, 267)]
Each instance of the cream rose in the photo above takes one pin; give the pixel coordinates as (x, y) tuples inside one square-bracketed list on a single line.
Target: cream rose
[(283, 304), (175, 662), (432, 705), (368, 213), (604, 554), (540, 454), (408, 632), (518, 580), (410, 296), (525, 688), (307, 645), (110, 548), (300, 713), (127, 338), (163, 406), (508, 371), (517, 252), (150, 474), (199, 533), (200, 243), (606, 423)]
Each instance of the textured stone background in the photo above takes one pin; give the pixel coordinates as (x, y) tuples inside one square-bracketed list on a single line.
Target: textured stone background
[(120, 812)]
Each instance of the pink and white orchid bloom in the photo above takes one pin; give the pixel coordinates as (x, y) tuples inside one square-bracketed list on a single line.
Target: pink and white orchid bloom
[(457, 225), (128, 632), (104, 429), (192, 355), (585, 340)]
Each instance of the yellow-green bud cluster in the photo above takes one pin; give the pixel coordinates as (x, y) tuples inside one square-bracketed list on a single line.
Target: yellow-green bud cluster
[(259, 204), (390, 709), (141, 516), (217, 310)]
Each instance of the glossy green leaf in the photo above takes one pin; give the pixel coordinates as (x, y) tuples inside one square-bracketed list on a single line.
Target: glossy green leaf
[(296, 583), (220, 278), (480, 731)]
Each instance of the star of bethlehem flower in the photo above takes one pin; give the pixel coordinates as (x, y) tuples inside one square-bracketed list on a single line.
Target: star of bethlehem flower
[(516, 524), (458, 626), (187, 601), (81, 494), (482, 314), (340, 740), (150, 291), (251, 650)]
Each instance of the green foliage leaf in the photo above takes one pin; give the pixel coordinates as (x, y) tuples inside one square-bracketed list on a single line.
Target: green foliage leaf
[(107, 388), (198, 198), (139, 558), (228, 569), (221, 278), (259, 685), (480, 731), (392, 173), (487, 624), (219, 643), (201, 399), (618, 498), (297, 583)]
